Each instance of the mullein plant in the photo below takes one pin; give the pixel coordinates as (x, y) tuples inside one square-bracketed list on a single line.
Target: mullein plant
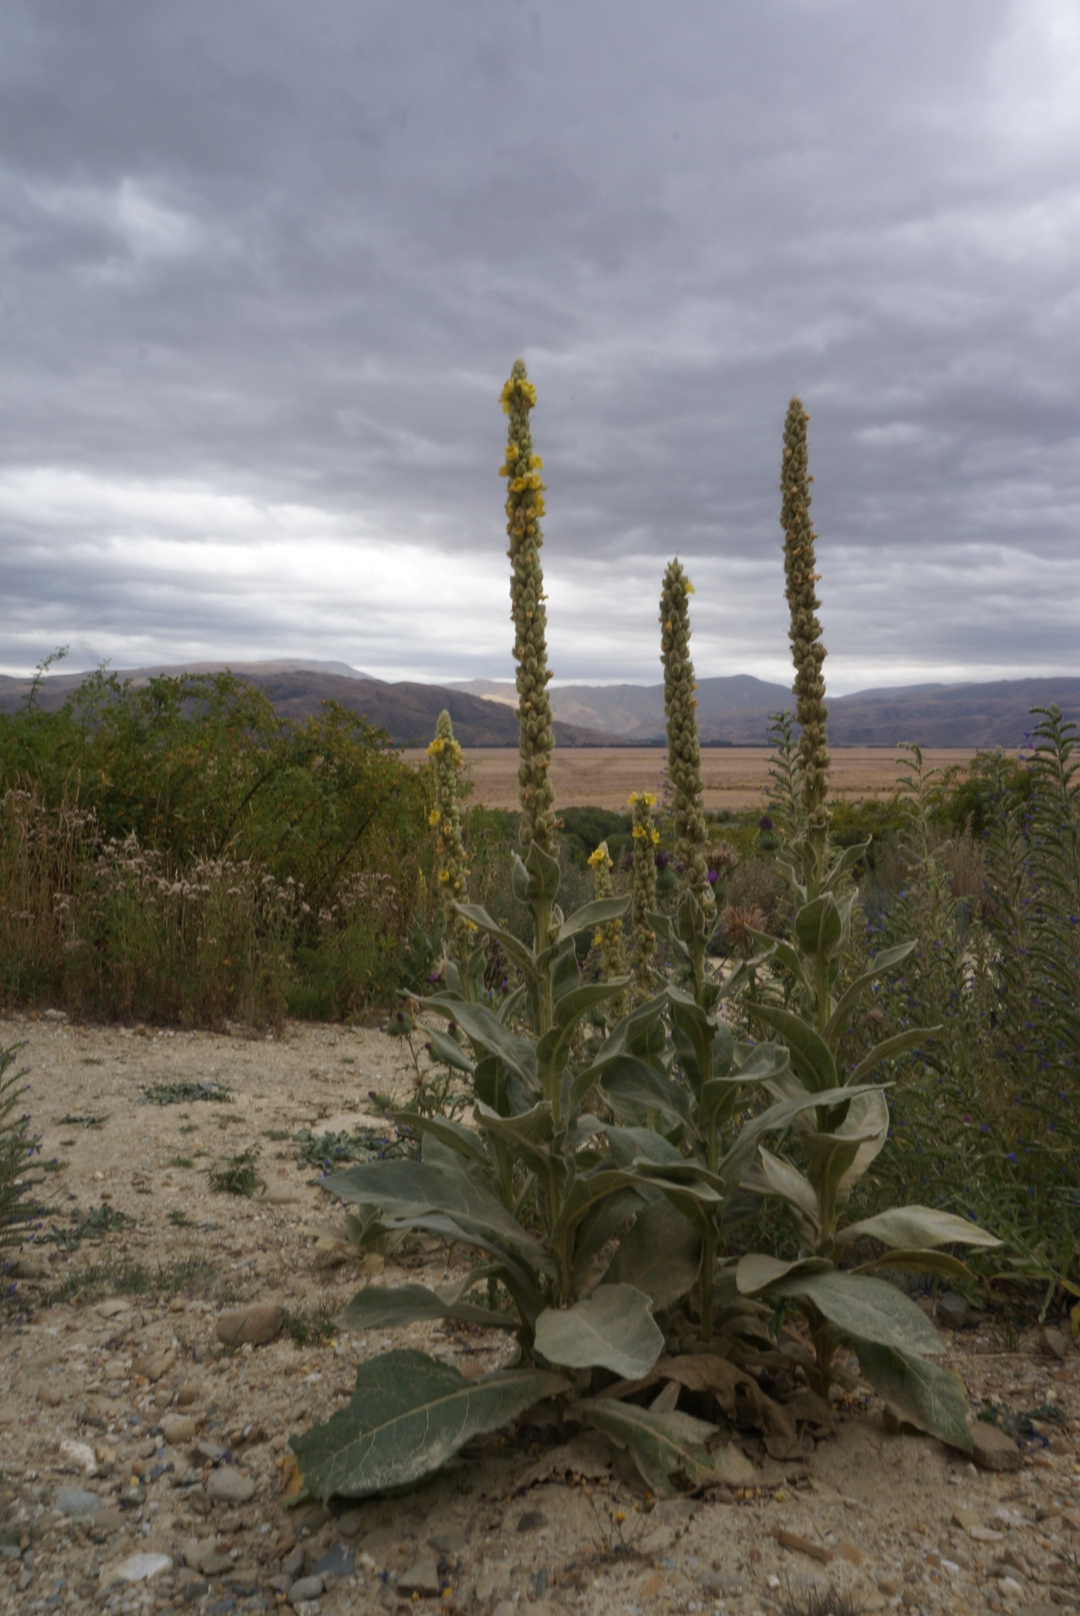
[(697, 905), (451, 859), (839, 1137), (714, 1068), (589, 1227), (643, 903), (608, 939)]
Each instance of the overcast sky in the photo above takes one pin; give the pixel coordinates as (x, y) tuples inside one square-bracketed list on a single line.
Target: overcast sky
[(267, 264)]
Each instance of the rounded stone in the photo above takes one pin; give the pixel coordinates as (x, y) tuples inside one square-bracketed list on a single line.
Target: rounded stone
[(228, 1486), (257, 1324), (178, 1427)]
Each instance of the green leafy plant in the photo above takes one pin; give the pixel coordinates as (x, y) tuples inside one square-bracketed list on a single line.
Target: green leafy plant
[(841, 1134), (238, 1175), (187, 1092), (541, 1188), (18, 1205)]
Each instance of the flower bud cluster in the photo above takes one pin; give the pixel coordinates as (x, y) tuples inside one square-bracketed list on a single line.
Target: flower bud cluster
[(451, 859), (684, 752), (643, 905), (807, 651), (608, 938), (524, 508)]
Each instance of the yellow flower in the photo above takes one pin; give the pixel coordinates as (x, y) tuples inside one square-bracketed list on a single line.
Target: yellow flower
[(639, 832), (655, 838), (597, 858), (649, 800), (535, 463), (444, 876), (436, 747), (434, 817)]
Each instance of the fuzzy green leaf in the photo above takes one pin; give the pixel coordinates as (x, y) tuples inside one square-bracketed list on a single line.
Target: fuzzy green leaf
[(465, 1141), (917, 1227), (450, 1052), (380, 1307), (865, 1308), (887, 960), (931, 1398), (818, 926), (661, 1255), (898, 1044), (756, 1272), (669, 1449), (600, 912), (811, 1057), (919, 1261), (611, 1329), (633, 1086), (408, 1415)]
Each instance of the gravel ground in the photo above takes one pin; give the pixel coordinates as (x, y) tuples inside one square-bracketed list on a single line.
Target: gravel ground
[(141, 1460)]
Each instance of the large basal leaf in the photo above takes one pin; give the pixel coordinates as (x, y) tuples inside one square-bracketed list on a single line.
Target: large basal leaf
[(860, 1306), (931, 1398), (611, 1329), (669, 1450), (661, 1255), (408, 1415), (911, 1227), (381, 1307)]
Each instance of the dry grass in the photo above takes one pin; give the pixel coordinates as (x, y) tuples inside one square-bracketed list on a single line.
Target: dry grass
[(735, 777)]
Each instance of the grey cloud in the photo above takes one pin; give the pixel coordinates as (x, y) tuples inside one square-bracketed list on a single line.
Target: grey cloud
[(288, 255)]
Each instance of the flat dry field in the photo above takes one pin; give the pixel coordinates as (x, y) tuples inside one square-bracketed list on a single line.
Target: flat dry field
[(735, 777)]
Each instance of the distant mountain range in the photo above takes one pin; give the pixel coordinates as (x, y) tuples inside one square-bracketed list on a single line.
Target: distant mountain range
[(736, 711), (731, 712), (408, 712)]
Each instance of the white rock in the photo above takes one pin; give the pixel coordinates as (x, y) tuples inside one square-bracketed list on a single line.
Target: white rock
[(138, 1568), (80, 1453)]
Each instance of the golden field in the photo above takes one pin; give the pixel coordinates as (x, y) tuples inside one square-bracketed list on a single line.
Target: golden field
[(735, 777)]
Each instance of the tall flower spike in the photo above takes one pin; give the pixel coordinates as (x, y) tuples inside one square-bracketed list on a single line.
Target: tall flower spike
[(524, 508), (684, 752), (608, 938), (807, 651), (646, 841), (451, 860)]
